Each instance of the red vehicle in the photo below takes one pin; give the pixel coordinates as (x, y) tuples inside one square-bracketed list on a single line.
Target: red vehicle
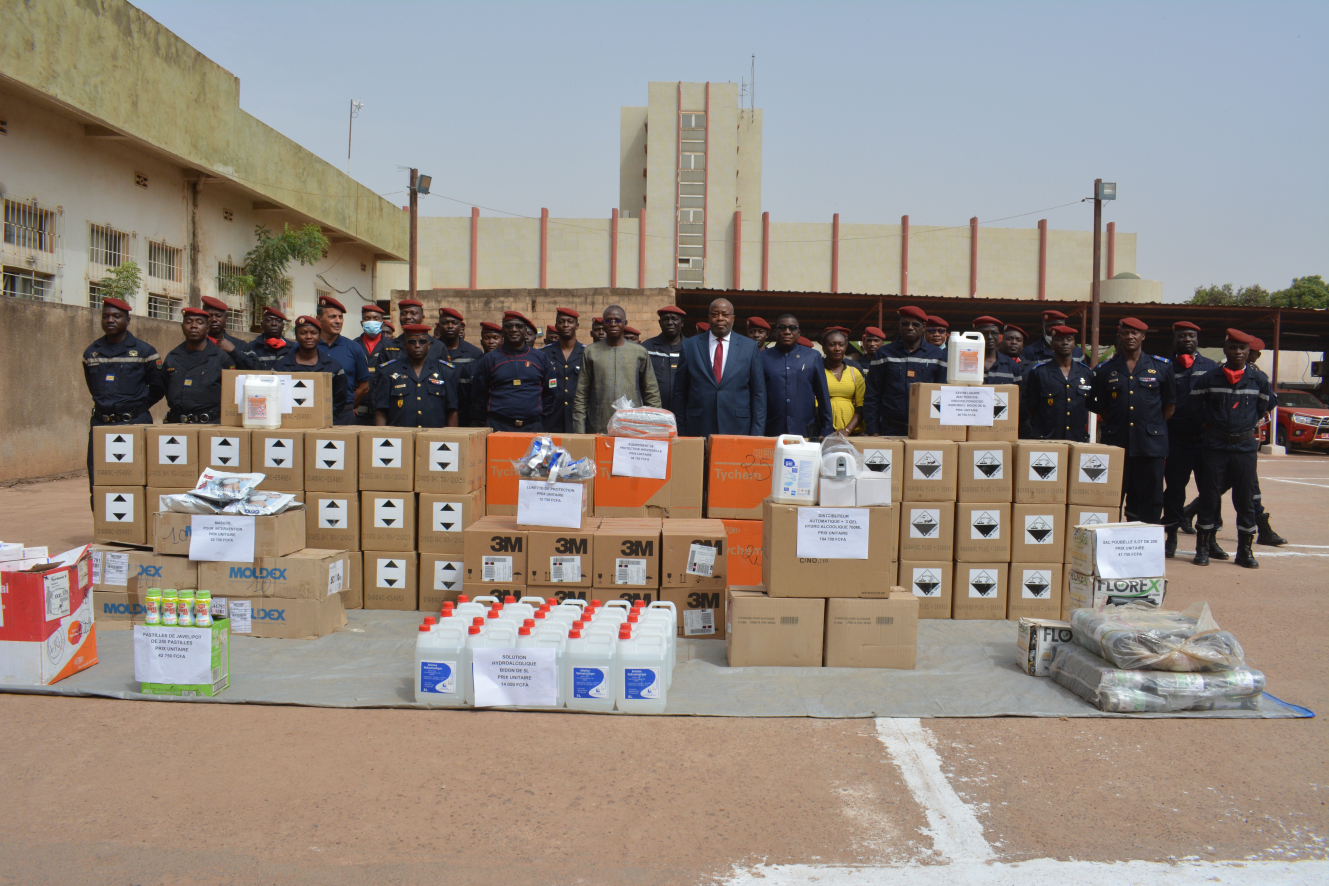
[(1303, 420)]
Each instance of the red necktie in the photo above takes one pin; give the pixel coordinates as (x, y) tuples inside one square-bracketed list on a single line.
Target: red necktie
[(719, 359)]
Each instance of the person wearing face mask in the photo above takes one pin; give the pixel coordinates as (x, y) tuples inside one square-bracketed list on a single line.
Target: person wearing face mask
[(906, 361), (371, 340)]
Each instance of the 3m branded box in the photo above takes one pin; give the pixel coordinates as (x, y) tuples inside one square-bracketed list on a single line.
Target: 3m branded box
[(387, 521), (700, 613), (118, 455), (693, 554), (226, 449), (1034, 591), (118, 514), (980, 591), (183, 662), (450, 460), (1038, 533), (931, 581), (47, 632), (624, 592), (387, 459), (927, 530), (440, 579), (884, 457), (1119, 550), (494, 549), (925, 415), (626, 554), (354, 595), (1005, 417), (279, 456), (985, 472), (310, 574), (872, 633), (1095, 473), (1087, 515), (332, 520), (739, 477), (745, 552), (307, 402), (1090, 592), (498, 592), (763, 631), (149, 570), (502, 449), (982, 531), (274, 536), (1038, 641), (390, 580), (1040, 471), (156, 495), (562, 557), (442, 517), (332, 460), (280, 619), (930, 470), (679, 495), (842, 562), (172, 456)]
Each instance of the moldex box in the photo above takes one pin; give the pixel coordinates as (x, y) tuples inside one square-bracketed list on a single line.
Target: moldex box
[(47, 631), (739, 477), (278, 618), (310, 574), (117, 455)]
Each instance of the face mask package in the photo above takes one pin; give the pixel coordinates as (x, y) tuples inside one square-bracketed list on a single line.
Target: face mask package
[(1117, 690), (545, 461), (1143, 638), (223, 488), (220, 493)]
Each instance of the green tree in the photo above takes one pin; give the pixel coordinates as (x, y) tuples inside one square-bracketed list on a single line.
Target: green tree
[(122, 283), (1245, 296), (1305, 292), (264, 280)]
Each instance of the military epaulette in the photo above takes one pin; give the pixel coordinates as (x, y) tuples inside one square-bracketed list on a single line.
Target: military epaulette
[(1164, 359), (388, 363), (1040, 363)]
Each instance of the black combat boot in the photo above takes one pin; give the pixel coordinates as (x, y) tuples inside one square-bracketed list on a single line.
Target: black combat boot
[(1246, 556), (1188, 516), (1170, 548), (1267, 535), (1202, 537), (1214, 550)]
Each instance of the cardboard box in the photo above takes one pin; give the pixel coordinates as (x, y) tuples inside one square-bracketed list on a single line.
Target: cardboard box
[(1005, 417), (927, 530), (1040, 471), (281, 619), (1090, 591), (119, 514), (499, 591), (332, 520), (739, 476), (562, 557), (985, 472), (274, 536), (354, 595), (1119, 550), (494, 550), (872, 633), (279, 456), (387, 521), (626, 554), (694, 554), (982, 531), (172, 456), (390, 580), (885, 458), (932, 582), (387, 459), (149, 570), (1038, 533), (930, 470), (1095, 474), (980, 591), (745, 551), (701, 613), (216, 637), (48, 631), (450, 460), (786, 574), (442, 517), (502, 449), (764, 631), (311, 399), (440, 579), (226, 449), (117, 610), (925, 415), (118, 455), (1034, 591), (1087, 515), (1038, 642), (837, 492), (678, 496), (332, 460), (309, 574), (155, 494)]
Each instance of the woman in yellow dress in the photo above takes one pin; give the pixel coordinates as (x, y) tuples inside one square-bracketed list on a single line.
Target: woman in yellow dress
[(846, 383)]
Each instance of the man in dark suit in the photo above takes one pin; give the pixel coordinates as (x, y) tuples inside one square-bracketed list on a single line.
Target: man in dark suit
[(720, 387)]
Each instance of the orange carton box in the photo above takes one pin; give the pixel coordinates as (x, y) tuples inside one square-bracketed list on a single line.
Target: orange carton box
[(744, 552), (679, 495), (503, 448), (739, 479)]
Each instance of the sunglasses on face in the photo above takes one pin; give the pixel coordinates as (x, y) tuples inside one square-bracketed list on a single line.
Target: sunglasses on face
[(784, 327)]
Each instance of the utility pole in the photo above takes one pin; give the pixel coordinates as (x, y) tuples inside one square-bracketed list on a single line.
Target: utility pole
[(415, 214), (1098, 243), (350, 127)]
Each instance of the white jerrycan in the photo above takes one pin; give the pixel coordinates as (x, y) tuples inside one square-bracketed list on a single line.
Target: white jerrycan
[(262, 399), (642, 661), (794, 471), (589, 671), (442, 666), (964, 358)]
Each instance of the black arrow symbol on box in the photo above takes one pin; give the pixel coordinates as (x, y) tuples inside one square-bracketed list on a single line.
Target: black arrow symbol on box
[(332, 522)]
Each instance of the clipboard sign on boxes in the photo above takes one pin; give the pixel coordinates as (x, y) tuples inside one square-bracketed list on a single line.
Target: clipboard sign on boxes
[(306, 398)]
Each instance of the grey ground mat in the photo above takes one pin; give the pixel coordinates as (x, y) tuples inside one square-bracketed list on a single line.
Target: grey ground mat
[(965, 669)]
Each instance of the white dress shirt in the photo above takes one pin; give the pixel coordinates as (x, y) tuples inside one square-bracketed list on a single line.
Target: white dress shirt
[(710, 352)]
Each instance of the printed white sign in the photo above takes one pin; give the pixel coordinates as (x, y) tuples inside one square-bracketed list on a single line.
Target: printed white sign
[(242, 616), (833, 533), (641, 458), (55, 590), (115, 569), (519, 677), (337, 577), (447, 516), (172, 655), (332, 513), (330, 455), (1130, 552), (119, 449), (278, 452), (218, 538), (966, 405), (540, 503), (172, 450), (443, 456), (698, 622), (225, 452), (389, 513), (447, 575), (386, 452)]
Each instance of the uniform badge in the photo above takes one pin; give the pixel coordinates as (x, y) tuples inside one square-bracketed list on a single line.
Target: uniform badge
[(553, 383), (1153, 372), (516, 381), (110, 378), (1114, 395), (133, 353), (1050, 403), (911, 373), (188, 382), (399, 402), (436, 381)]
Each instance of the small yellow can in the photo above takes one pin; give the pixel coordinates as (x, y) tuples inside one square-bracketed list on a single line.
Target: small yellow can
[(169, 613), (152, 606), (202, 609), (184, 608)]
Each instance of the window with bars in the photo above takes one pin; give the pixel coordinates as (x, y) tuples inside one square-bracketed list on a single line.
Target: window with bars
[(226, 271), (164, 262), (691, 199), (29, 226), (237, 320), (163, 307), (96, 292), (107, 246), (24, 283)]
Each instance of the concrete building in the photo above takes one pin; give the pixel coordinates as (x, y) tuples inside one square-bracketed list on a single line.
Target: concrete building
[(119, 141)]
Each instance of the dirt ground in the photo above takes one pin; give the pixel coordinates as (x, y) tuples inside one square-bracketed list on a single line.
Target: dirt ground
[(144, 792)]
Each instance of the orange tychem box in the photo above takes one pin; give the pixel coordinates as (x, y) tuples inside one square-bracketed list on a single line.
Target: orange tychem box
[(744, 552), (679, 495), (739, 479), (502, 449)]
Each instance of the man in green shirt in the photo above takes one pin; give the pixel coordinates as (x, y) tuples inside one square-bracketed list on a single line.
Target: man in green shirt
[(612, 368)]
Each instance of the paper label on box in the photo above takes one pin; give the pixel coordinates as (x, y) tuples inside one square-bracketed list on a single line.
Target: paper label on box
[(119, 449), (443, 456), (983, 585), (966, 405), (241, 614), (218, 607), (284, 383), (833, 533), (115, 569), (172, 450), (448, 575), (119, 507), (701, 560), (1043, 467), (172, 655), (96, 567), (218, 538), (641, 458), (984, 525), (391, 573), (330, 455), (496, 568), (438, 677), (565, 569), (55, 591), (878, 461), (989, 464), (698, 622), (386, 452), (928, 464), (924, 523), (336, 577), (389, 513), (447, 516), (302, 393), (1036, 584), (926, 582), (1039, 529), (1093, 468), (1130, 551), (225, 451), (540, 503), (278, 452), (628, 571), (524, 677), (333, 513)]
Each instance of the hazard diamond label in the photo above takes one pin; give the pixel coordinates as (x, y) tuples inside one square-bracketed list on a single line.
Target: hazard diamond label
[(924, 523), (878, 460), (926, 583), (985, 524), (988, 464), (1093, 468), (982, 584), (927, 464), (1037, 585), (1042, 466), (1038, 529)]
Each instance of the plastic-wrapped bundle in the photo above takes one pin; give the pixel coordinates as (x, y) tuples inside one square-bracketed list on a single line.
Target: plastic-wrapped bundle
[(645, 422), (261, 504), (545, 461), (1143, 638), (840, 459), (1124, 691), (220, 486), (188, 503)]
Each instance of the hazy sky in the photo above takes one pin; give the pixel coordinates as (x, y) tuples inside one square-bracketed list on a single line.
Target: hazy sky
[(1213, 118)]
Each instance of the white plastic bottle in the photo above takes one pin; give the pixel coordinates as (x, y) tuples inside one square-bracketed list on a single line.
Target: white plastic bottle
[(964, 358), (556, 639), (442, 666), (589, 672), (495, 634), (794, 471), (262, 399), (641, 665)]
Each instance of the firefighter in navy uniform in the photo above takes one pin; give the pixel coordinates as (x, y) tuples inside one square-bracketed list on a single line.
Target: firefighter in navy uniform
[(666, 351), (417, 390), (308, 355), (123, 374), (998, 368), (906, 361), (1183, 432), (1133, 392), (1056, 395), (564, 354), (270, 346), (1041, 349), (510, 390), (218, 311), (410, 311), (192, 373), (1232, 400)]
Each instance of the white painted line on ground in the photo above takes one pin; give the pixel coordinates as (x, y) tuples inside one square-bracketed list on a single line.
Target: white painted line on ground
[(1298, 482), (1261, 553)]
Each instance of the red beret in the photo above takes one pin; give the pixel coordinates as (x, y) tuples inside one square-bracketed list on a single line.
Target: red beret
[(937, 321), (837, 329), (387, 324), (568, 311), (1010, 326), (486, 326), (915, 313), (371, 309), (872, 330), (1132, 323), (703, 326), (757, 321), (1257, 344), (416, 329), (1184, 324), (672, 309), (807, 343), (1064, 330), (1053, 315), (451, 312), (306, 320), (549, 330), (117, 303), (410, 303), (517, 315), (986, 320), (327, 301), (630, 329), (1238, 335), (193, 312), (269, 309), (215, 303)]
